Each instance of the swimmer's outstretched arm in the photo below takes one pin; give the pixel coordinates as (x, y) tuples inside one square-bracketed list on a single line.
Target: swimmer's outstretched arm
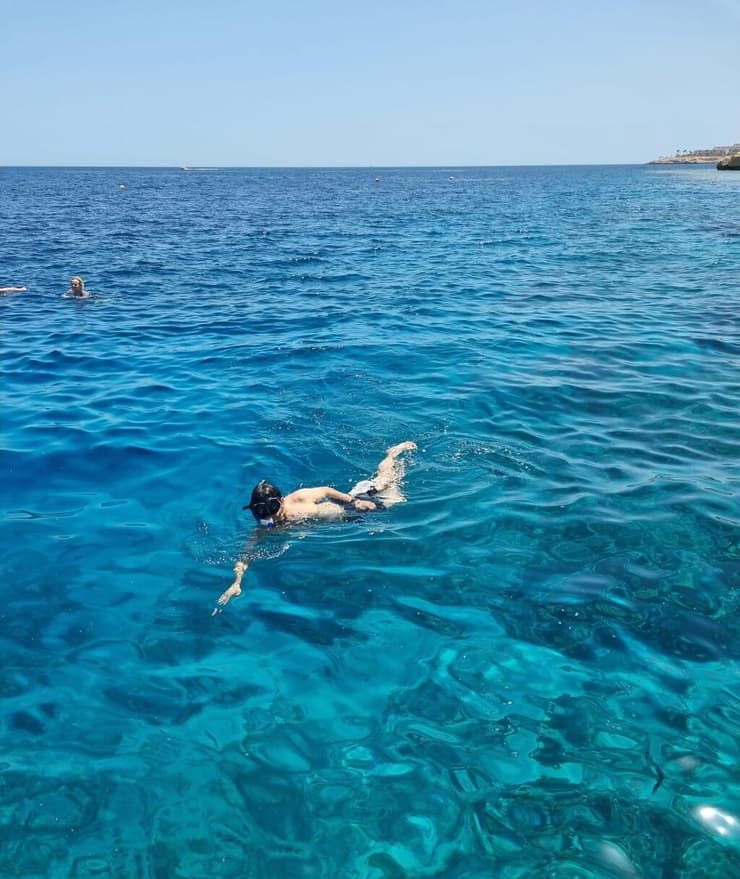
[(240, 569), (235, 589)]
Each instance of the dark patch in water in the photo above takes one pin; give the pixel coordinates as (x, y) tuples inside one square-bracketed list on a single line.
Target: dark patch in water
[(25, 722)]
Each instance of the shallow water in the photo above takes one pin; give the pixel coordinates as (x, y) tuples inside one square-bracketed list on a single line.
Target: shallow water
[(528, 669)]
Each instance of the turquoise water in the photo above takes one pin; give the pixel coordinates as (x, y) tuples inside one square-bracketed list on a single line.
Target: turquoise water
[(530, 669)]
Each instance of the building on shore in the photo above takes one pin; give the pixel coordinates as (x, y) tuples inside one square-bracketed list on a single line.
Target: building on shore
[(710, 154)]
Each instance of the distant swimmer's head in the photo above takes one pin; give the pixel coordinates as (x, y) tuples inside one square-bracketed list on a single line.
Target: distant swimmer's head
[(77, 286), (266, 504)]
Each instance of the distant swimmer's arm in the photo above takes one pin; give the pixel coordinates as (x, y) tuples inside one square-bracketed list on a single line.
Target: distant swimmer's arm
[(13, 289)]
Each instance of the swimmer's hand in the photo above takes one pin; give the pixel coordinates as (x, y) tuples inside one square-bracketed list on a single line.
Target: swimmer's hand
[(363, 505), (233, 590)]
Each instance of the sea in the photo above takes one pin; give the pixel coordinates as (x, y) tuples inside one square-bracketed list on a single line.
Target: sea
[(529, 668)]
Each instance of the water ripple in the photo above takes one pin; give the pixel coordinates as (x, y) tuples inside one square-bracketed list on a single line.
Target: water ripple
[(530, 666)]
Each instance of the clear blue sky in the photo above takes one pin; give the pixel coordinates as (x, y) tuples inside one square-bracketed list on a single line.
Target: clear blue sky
[(339, 82)]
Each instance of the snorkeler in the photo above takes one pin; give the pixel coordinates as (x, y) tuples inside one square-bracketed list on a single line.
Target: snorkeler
[(4, 290), (77, 289), (272, 509)]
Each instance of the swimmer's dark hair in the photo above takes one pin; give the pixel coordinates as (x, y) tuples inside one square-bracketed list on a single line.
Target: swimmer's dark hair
[(262, 492)]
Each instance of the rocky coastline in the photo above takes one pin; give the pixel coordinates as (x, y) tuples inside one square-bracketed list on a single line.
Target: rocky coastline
[(729, 163), (685, 160)]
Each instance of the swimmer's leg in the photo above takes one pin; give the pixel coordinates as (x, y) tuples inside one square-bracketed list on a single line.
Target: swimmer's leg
[(390, 473)]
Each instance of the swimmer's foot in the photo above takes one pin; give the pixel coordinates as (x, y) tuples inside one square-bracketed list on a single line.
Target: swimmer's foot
[(390, 473), (395, 451)]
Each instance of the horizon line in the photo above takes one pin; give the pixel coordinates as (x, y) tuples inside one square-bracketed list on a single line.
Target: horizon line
[(199, 167)]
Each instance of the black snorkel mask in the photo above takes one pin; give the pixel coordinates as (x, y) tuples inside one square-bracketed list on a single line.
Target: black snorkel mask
[(264, 511)]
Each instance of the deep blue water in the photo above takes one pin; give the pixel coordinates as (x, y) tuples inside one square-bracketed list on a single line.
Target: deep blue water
[(530, 669)]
